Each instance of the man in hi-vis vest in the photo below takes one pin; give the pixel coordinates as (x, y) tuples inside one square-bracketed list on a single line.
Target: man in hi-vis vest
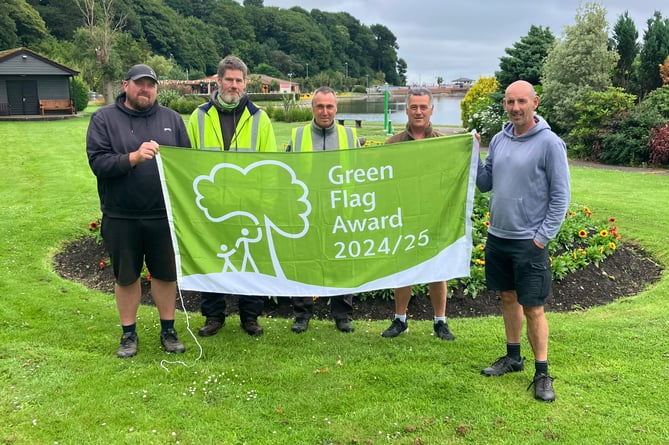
[(323, 133), (230, 121)]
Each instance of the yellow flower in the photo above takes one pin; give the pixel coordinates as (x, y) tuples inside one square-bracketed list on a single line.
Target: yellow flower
[(603, 233), (582, 233), (481, 247), (586, 210), (612, 246), (480, 262)]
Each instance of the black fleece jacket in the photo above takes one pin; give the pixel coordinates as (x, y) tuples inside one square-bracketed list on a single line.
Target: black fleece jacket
[(113, 133)]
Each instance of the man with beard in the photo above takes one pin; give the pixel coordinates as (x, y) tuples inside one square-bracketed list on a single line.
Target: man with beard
[(122, 141), (230, 121)]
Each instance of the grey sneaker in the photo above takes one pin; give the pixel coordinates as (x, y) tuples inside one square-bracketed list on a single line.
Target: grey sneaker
[(128, 346), (170, 341), (396, 328), (543, 387), (441, 330), (503, 365)]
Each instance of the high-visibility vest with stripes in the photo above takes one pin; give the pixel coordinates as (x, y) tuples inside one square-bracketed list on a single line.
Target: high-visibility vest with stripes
[(253, 132), (301, 138)]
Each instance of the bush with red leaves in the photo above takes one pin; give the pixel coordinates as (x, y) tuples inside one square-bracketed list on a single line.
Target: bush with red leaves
[(659, 145)]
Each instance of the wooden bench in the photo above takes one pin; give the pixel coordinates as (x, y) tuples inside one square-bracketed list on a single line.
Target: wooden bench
[(55, 105), (358, 122)]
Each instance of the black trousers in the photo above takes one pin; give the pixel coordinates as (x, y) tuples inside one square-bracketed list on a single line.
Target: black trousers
[(341, 307), (213, 306)]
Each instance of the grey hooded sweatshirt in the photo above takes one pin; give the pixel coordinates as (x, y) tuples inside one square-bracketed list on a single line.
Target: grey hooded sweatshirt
[(529, 179)]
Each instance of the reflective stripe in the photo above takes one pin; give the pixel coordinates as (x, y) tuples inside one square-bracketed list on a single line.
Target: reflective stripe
[(350, 137), (298, 139), (255, 125), (255, 130), (200, 125)]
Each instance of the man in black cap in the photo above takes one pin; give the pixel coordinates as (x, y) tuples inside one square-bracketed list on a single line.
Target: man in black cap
[(122, 142)]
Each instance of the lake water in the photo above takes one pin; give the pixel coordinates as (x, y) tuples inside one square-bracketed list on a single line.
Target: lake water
[(446, 109)]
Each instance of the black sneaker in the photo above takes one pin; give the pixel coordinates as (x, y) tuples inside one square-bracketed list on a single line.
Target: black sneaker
[(441, 330), (300, 325), (170, 341), (211, 327), (128, 346), (396, 328), (503, 365), (543, 387), (252, 328), (344, 325)]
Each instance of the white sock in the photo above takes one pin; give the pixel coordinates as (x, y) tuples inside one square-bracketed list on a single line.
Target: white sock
[(402, 318), (438, 319)]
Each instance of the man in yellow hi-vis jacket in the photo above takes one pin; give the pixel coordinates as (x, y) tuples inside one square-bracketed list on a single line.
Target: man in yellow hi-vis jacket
[(230, 121)]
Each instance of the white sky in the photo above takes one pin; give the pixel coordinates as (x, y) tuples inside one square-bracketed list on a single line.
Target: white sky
[(466, 39)]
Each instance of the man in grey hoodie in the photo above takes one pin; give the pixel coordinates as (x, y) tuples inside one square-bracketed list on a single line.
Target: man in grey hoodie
[(526, 168)]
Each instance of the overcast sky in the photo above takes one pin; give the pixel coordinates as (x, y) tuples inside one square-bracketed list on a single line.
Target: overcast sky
[(442, 38)]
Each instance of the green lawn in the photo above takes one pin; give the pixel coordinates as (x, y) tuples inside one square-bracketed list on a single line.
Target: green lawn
[(62, 383)]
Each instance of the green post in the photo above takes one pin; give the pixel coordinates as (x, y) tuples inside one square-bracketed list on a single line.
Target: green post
[(386, 95)]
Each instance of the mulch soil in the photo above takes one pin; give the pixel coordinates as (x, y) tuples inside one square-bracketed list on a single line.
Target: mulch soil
[(627, 272)]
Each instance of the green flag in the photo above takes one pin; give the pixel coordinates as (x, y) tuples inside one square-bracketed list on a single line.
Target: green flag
[(320, 223)]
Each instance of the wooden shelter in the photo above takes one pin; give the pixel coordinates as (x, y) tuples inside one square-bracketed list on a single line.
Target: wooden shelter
[(31, 84)]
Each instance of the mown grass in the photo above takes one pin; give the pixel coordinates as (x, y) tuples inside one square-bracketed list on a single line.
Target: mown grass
[(62, 383)]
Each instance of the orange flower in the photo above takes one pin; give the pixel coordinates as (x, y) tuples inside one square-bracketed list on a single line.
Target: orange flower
[(612, 220), (93, 225), (486, 223)]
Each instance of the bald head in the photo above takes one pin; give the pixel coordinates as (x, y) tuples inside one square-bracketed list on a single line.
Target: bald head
[(520, 102), (521, 87)]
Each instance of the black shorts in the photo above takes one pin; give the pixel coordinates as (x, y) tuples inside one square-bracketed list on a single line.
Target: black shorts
[(131, 242), (518, 265)]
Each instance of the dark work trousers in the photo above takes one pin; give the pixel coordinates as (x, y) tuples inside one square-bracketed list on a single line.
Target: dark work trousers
[(213, 306), (341, 307)]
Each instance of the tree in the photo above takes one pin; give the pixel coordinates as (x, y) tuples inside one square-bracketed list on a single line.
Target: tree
[(625, 36), (102, 29), (655, 49), (526, 58), (385, 56), (20, 25), (580, 62)]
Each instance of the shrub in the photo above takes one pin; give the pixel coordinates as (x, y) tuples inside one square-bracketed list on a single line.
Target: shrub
[(659, 145), (80, 94), (186, 105), (658, 100), (166, 97), (482, 88), (487, 116), (627, 141), (359, 89), (595, 114)]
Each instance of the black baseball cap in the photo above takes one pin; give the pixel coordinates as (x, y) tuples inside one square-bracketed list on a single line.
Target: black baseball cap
[(139, 71)]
